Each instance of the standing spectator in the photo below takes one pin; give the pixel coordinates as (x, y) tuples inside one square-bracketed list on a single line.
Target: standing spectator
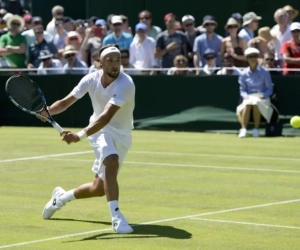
[(146, 17), (125, 55), (188, 23), (70, 55), (60, 37), (125, 25), (208, 40), (293, 13), (282, 34), (142, 50), (250, 24), (47, 62), (269, 63), (13, 44), (170, 43), (291, 51), (37, 46), (75, 40), (57, 13), (233, 45), (118, 37), (228, 66), (210, 57), (180, 62), (29, 34)]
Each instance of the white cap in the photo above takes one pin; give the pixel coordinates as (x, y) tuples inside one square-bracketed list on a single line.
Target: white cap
[(7, 16), (116, 19), (187, 17), (73, 34), (295, 26), (57, 8), (251, 51)]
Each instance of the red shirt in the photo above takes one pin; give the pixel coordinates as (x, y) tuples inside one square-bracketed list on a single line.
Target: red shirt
[(294, 51)]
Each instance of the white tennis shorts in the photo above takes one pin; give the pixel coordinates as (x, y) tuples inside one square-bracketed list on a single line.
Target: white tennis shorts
[(105, 144)]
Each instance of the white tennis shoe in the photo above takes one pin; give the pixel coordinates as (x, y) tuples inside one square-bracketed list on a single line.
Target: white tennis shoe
[(54, 204), (120, 225)]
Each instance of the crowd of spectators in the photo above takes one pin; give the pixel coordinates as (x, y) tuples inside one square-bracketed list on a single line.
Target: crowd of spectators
[(181, 47)]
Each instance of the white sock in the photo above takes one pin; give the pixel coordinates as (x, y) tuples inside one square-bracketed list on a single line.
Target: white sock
[(68, 196), (114, 208)]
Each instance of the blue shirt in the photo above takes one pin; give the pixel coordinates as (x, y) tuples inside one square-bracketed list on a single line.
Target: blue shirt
[(79, 64), (246, 34), (123, 41), (202, 43), (254, 82)]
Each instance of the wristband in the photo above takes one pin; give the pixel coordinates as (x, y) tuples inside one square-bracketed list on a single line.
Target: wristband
[(82, 134)]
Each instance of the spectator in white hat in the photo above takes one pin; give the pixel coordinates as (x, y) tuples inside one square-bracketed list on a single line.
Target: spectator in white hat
[(47, 62), (188, 24), (291, 52), (73, 38), (57, 13), (256, 87), (73, 65), (123, 39), (250, 24)]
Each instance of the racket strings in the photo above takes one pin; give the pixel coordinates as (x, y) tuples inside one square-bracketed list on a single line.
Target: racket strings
[(26, 93)]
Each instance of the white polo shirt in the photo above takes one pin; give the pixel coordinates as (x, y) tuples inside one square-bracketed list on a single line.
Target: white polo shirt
[(279, 39), (121, 93), (142, 54)]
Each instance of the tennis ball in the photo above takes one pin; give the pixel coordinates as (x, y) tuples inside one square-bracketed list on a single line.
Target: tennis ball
[(295, 122)]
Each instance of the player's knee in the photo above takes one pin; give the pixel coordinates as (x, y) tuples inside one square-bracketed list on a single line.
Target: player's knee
[(111, 165)]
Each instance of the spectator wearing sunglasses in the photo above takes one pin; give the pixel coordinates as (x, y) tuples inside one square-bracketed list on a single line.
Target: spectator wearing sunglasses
[(125, 63), (210, 57), (47, 62), (269, 63), (208, 40), (57, 13), (75, 40), (60, 37), (146, 17), (69, 24), (123, 39), (180, 62), (73, 65), (228, 66), (37, 46), (13, 44), (188, 24), (125, 25)]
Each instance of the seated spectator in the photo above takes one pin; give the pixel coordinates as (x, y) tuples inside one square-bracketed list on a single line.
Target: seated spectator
[(80, 28), (37, 46), (291, 52), (250, 24), (170, 43), (142, 49), (188, 23), (49, 63), (146, 17), (179, 62), (69, 24), (57, 14), (94, 56), (75, 40), (269, 63), (239, 18), (13, 44), (92, 21), (125, 63), (29, 34), (256, 87), (80, 67), (210, 57), (28, 21), (125, 25), (262, 42), (228, 62), (233, 45), (282, 34), (208, 40), (118, 37)]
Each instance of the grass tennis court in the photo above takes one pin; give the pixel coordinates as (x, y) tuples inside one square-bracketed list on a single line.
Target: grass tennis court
[(184, 190)]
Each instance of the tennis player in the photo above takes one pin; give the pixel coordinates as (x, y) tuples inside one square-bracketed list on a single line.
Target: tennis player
[(109, 132)]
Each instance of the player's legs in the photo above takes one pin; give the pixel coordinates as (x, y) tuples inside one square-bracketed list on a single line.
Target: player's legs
[(91, 189)]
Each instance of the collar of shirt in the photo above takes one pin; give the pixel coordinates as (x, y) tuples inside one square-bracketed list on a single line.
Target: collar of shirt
[(251, 33)]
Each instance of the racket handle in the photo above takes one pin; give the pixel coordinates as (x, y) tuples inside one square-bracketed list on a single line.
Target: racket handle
[(57, 127)]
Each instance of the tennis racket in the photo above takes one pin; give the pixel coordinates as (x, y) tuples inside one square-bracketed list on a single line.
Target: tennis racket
[(27, 96)]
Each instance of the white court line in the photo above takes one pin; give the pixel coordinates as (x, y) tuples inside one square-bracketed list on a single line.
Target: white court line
[(246, 223), (158, 153), (189, 166), (150, 222)]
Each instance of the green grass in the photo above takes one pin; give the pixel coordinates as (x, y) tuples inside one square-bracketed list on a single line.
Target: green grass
[(166, 175)]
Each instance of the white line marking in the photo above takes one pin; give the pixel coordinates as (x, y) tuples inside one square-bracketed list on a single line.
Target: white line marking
[(151, 222), (246, 223), (190, 166)]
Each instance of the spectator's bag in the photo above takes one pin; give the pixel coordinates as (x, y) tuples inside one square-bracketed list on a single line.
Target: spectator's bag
[(273, 129)]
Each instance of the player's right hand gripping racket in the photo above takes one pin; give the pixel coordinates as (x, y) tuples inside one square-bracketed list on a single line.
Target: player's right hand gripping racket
[(27, 96)]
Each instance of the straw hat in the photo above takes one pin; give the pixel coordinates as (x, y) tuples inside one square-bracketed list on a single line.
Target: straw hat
[(69, 49), (264, 34), (290, 8), (232, 21), (16, 18)]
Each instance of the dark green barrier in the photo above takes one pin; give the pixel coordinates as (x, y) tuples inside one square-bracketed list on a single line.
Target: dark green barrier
[(157, 97)]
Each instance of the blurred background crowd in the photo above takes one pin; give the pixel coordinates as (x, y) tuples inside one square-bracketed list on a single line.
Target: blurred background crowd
[(184, 46)]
